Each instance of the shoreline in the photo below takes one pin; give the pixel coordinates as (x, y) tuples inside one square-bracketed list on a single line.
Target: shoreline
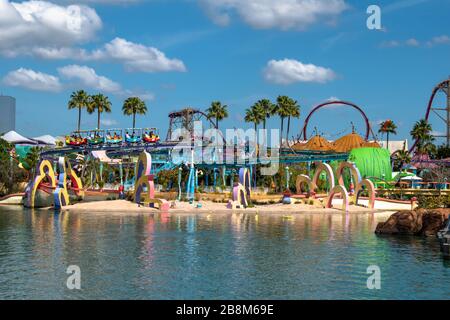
[(208, 207)]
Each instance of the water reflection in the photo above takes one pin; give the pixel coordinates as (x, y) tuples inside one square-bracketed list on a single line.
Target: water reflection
[(239, 255)]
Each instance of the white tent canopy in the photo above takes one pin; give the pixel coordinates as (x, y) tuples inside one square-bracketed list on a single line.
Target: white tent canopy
[(15, 138), (46, 140)]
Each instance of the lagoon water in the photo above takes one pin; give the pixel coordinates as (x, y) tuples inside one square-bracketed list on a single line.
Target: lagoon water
[(234, 256)]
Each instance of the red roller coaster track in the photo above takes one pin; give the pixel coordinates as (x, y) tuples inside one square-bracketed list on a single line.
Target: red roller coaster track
[(444, 85), (345, 103)]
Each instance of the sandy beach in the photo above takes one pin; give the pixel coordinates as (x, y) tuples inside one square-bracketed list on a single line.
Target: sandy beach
[(208, 207)]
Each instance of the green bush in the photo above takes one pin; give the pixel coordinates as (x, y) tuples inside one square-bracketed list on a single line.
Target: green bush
[(433, 202)]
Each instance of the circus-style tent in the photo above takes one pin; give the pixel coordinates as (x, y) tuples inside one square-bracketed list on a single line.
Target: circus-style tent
[(348, 142), (371, 144), (46, 140), (316, 143), (17, 139)]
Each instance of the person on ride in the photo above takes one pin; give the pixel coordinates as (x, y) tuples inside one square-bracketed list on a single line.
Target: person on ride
[(127, 136)]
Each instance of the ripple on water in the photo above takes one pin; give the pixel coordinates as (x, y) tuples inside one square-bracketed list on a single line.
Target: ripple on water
[(310, 256)]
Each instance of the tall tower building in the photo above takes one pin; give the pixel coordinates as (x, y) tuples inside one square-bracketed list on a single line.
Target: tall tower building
[(7, 114)]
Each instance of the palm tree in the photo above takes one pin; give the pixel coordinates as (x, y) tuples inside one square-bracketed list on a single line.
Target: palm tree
[(282, 110), (252, 115), (388, 127), (294, 111), (421, 132), (265, 108), (217, 111), (79, 100), (133, 106), (100, 103), (401, 158)]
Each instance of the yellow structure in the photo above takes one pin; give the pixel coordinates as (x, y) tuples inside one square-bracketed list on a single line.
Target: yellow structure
[(45, 171)]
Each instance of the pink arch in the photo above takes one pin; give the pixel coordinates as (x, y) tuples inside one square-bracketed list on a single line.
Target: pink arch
[(328, 170), (372, 192), (338, 189), (356, 175), (303, 178)]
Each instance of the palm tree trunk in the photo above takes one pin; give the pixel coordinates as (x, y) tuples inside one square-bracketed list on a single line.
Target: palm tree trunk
[(134, 120), (387, 140), (98, 119), (79, 118), (255, 127), (288, 127), (281, 133), (217, 124)]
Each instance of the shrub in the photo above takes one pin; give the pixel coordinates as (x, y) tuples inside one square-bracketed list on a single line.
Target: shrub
[(433, 202)]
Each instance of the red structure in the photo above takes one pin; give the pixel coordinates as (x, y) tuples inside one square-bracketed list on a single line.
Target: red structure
[(345, 103)]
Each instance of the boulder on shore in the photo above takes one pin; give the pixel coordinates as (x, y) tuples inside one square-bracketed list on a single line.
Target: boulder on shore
[(419, 222)]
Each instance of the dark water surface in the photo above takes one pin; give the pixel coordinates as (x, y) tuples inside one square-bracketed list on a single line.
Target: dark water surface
[(239, 256)]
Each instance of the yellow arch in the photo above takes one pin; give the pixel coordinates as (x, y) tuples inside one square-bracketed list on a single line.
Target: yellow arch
[(45, 170), (79, 191)]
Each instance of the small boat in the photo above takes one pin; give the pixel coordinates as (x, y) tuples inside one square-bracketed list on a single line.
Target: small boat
[(132, 139), (444, 239), (76, 142), (150, 138), (95, 140)]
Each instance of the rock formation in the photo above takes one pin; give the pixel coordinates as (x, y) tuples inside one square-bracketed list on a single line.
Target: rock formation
[(420, 222)]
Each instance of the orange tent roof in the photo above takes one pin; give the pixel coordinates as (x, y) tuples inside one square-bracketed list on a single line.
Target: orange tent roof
[(348, 142), (373, 144), (316, 143)]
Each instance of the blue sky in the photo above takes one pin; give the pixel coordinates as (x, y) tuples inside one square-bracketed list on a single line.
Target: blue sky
[(179, 53)]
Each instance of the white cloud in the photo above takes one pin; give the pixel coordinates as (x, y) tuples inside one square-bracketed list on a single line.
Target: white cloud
[(32, 24), (33, 80), (134, 56), (412, 42), (104, 1), (137, 57), (289, 71), (280, 14), (89, 78), (444, 39)]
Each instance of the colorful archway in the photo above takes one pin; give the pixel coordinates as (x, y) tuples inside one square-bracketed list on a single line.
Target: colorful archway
[(356, 175), (344, 194), (45, 170), (304, 179), (60, 195), (241, 190), (145, 180), (320, 166), (244, 179), (77, 184), (371, 190)]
